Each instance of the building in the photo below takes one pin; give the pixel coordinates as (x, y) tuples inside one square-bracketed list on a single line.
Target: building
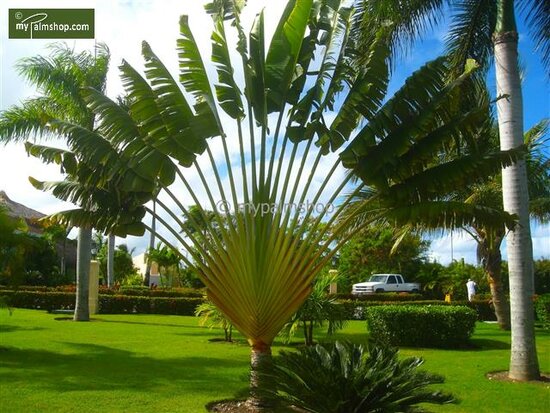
[(141, 264)]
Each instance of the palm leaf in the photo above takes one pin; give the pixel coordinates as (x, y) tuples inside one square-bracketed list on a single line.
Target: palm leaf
[(194, 78), (284, 51)]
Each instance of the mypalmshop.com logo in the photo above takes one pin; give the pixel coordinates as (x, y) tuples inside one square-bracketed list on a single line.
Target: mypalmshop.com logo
[(51, 23)]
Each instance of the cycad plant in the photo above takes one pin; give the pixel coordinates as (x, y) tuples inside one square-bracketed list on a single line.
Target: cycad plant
[(345, 377), (266, 160)]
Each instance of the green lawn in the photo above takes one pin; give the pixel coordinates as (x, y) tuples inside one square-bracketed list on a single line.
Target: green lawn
[(141, 363)]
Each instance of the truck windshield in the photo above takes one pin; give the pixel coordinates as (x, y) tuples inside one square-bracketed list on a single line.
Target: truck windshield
[(378, 278)]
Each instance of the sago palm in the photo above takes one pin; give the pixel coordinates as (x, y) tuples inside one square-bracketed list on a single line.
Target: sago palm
[(344, 378), (273, 153)]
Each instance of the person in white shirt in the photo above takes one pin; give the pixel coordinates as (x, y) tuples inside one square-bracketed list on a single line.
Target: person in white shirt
[(471, 286)]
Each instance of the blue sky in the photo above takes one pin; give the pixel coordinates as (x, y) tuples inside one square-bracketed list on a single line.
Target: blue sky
[(123, 24)]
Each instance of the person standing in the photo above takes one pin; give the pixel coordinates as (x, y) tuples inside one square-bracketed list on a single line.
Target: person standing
[(471, 287)]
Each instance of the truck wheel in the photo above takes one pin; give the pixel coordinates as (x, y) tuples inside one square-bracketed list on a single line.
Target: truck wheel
[(379, 290), (415, 291)]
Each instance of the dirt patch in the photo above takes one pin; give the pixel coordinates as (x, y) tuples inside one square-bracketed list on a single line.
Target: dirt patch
[(240, 406), (503, 376)]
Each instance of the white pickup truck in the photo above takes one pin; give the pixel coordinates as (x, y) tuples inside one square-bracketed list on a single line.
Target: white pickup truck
[(381, 283)]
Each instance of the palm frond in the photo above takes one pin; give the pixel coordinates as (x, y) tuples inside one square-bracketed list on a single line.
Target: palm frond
[(470, 35), (537, 16), (284, 51)]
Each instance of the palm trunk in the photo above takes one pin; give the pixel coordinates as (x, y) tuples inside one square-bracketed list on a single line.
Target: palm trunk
[(147, 277), (260, 361), (523, 362), (500, 302), (83, 258), (111, 260)]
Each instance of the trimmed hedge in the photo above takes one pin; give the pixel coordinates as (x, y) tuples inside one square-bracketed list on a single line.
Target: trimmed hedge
[(444, 326), (542, 310), (355, 310), (39, 300), (119, 304), (382, 297), (108, 304), (156, 292), (124, 290)]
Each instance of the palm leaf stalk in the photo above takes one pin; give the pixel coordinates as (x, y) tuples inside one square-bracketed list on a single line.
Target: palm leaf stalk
[(258, 260)]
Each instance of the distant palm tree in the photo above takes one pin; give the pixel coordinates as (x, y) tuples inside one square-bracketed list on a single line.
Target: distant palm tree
[(59, 79)]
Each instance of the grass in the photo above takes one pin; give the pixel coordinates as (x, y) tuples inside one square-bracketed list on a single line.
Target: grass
[(146, 363)]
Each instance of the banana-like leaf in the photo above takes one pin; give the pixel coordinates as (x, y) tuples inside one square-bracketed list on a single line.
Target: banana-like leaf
[(365, 96), (47, 154), (256, 92), (444, 178), (227, 91), (284, 51), (194, 78)]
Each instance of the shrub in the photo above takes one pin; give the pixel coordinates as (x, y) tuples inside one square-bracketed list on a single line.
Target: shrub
[(124, 290), (345, 377), (108, 304), (542, 309), (119, 304), (40, 300), (382, 297), (210, 316), (355, 310), (421, 326)]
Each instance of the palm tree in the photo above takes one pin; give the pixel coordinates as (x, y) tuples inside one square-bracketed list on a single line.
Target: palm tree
[(59, 79), (489, 193), (259, 261), (480, 28)]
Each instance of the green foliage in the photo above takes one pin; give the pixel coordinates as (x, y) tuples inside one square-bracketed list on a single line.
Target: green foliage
[(421, 326), (108, 304), (370, 252), (356, 309), (13, 244), (542, 276), (40, 300), (123, 264), (381, 297), (344, 377), (542, 309), (169, 264), (26, 258), (210, 316), (319, 307), (438, 280), (149, 305)]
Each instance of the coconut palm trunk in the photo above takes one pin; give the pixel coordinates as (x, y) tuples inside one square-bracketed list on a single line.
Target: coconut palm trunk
[(147, 277), (83, 256), (523, 361), (492, 264)]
